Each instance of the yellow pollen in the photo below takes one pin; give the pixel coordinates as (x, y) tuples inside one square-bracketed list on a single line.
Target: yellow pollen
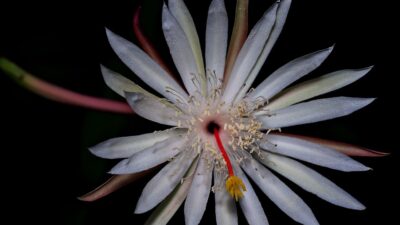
[(235, 187)]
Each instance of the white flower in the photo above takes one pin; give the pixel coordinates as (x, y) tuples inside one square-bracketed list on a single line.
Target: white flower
[(221, 127)]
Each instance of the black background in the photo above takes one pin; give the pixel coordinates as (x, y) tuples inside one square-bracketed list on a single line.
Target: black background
[(45, 162)]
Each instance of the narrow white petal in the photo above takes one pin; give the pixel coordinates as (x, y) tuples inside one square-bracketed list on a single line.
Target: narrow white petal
[(119, 83), (145, 68), (315, 87), (181, 51), (313, 111), (154, 109), (249, 53), (225, 208), (216, 41), (310, 180), (279, 193), (124, 147), (281, 15), (162, 184), (289, 73), (151, 156), (164, 212), (199, 192), (251, 206), (182, 15), (310, 152)]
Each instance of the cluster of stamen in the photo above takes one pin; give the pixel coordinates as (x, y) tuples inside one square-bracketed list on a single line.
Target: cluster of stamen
[(207, 118)]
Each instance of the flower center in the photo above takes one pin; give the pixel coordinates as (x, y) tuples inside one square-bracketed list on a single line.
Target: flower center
[(212, 126)]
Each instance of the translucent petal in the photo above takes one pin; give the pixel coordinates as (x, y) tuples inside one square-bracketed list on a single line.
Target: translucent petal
[(310, 152), (182, 15), (249, 53), (310, 180), (225, 208), (151, 156), (216, 42), (155, 109), (181, 51), (281, 15), (315, 87), (144, 67), (162, 184), (124, 147), (197, 198), (313, 111), (119, 83), (251, 206), (164, 212), (288, 201), (289, 73)]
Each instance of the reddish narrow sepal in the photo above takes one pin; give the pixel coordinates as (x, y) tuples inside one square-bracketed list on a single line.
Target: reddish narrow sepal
[(114, 183), (348, 149)]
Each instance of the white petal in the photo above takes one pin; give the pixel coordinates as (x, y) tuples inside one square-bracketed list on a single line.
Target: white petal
[(249, 53), (315, 87), (181, 51), (154, 109), (288, 201), (225, 208), (151, 156), (124, 147), (162, 184), (145, 68), (313, 111), (119, 83), (281, 15), (164, 212), (251, 206), (182, 15), (199, 192), (289, 73), (310, 152), (310, 180), (216, 42)]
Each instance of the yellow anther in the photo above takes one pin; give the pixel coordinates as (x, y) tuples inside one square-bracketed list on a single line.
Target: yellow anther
[(235, 187)]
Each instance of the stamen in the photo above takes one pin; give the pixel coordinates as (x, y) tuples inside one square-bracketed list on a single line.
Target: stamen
[(234, 185)]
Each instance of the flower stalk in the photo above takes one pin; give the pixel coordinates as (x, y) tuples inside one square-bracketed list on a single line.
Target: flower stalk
[(59, 94)]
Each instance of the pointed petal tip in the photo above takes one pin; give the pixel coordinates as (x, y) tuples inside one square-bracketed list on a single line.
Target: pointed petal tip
[(110, 36), (365, 168), (326, 51), (378, 153), (114, 172), (164, 7), (360, 207), (331, 47), (98, 151), (139, 210), (84, 198), (362, 71), (356, 205), (367, 101), (108, 31), (119, 168), (368, 68), (92, 150)]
